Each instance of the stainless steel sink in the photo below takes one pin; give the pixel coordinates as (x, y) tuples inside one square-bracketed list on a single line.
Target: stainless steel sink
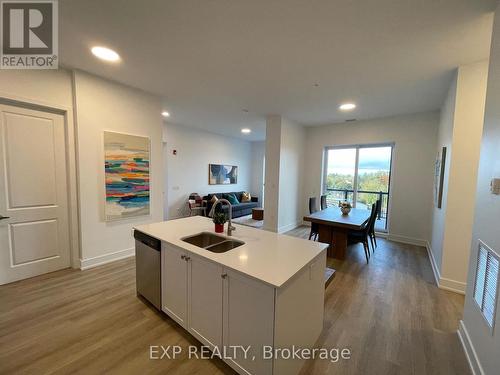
[(204, 239), (225, 246), (212, 242)]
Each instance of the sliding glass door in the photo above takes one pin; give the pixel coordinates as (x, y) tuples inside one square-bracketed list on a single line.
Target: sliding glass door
[(361, 175)]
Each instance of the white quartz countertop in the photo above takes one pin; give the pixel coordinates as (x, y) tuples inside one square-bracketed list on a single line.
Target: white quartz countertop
[(270, 257)]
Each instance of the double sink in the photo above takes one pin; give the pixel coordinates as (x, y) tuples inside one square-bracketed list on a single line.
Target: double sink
[(212, 242)]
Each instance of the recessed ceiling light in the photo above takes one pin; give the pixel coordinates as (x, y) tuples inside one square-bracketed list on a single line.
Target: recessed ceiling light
[(165, 114), (105, 54), (347, 106), (246, 130)]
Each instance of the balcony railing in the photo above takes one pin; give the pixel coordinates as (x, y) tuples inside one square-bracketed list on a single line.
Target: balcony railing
[(334, 196)]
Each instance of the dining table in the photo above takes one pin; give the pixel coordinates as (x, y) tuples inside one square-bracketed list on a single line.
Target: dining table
[(333, 227)]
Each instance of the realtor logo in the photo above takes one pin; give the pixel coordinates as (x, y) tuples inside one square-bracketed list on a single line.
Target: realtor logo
[(29, 34)]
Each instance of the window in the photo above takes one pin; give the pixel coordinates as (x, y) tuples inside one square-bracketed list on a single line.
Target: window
[(486, 283), (361, 175)]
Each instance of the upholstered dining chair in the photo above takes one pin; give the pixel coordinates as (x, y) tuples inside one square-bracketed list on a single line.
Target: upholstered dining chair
[(323, 202), (313, 207)]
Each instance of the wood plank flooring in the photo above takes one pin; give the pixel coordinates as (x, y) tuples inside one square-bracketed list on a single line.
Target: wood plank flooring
[(389, 313)]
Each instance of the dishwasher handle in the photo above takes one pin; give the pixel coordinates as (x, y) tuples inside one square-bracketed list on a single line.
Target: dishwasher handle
[(149, 241)]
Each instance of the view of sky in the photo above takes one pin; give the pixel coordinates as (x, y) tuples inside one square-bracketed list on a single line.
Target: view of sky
[(371, 160)]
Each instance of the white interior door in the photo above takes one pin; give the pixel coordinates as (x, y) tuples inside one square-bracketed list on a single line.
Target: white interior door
[(34, 230)]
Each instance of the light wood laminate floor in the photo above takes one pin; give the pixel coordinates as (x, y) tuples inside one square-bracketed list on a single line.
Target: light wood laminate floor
[(389, 313)]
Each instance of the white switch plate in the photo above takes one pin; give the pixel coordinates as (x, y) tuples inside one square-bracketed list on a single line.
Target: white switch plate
[(495, 186)]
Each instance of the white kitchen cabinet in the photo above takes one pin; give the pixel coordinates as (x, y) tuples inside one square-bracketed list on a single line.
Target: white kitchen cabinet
[(174, 299), (225, 308), (248, 321), (205, 300), (192, 293)]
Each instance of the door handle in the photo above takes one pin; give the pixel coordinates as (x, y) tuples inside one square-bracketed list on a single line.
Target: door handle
[(4, 217)]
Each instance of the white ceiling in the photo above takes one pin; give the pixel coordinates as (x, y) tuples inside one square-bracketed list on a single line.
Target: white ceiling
[(210, 59)]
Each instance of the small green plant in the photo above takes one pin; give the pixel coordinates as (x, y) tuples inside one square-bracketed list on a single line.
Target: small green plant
[(219, 218)]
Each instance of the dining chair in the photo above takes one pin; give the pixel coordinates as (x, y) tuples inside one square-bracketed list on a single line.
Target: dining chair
[(373, 238), (313, 207), (362, 235), (323, 202)]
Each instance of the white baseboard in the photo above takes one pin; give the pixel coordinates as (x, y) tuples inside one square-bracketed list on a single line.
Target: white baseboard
[(106, 258), (406, 240), (435, 269), (452, 285), (442, 282), (286, 228), (469, 350)]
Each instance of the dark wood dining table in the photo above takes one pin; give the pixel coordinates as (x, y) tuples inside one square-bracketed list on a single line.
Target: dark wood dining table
[(333, 227)]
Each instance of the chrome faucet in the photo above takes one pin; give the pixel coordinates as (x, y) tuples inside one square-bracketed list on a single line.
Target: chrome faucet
[(230, 227)]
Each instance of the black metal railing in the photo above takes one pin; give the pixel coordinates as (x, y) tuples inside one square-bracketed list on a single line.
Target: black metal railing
[(334, 196)]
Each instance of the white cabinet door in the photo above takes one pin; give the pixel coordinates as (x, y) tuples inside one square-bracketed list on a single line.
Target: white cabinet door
[(205, 300), (174, 283), (248, 321)]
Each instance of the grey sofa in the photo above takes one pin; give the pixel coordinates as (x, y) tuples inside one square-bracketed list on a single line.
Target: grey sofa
[(241, 209)]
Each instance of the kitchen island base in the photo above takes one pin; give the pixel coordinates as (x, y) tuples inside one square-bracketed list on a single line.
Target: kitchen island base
[(224, 308)]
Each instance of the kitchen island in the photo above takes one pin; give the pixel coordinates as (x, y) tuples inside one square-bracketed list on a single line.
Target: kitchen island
[(268, 292)]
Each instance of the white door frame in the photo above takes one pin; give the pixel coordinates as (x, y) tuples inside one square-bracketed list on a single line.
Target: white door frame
[(71, 165)]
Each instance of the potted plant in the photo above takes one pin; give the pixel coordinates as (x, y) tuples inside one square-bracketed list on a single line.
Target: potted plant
[(219, 220), (345, 207)]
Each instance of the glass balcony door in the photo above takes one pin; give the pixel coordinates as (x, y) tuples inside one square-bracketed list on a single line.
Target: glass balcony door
[(361, 175)]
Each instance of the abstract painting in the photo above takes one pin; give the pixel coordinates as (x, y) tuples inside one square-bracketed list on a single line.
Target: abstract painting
[(126, 159), (219, 174)]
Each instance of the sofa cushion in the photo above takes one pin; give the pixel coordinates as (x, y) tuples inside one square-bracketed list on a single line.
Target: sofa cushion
[(231, 197), (246, 197)]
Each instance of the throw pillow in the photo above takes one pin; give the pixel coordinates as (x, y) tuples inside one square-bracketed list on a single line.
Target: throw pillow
[(214, 199), (246, 197), (232, 199)]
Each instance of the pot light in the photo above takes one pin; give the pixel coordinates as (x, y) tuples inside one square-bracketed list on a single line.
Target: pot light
[(165, 114), (347, 106), (105, 54), (246, 130)]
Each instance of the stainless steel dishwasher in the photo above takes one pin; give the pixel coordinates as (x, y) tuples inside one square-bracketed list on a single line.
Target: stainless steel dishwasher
[(148, 267)]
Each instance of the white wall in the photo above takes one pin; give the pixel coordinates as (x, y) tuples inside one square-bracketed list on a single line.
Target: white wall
[(461, 128), (474, 332), (258, 156), (188, 170), (50, 87), (413, 165), (272, 173), (445, 135), (284, 174), (103, 105), (291, 176)]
